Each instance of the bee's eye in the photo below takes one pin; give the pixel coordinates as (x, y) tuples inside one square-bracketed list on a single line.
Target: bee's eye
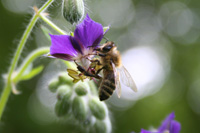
[(107, 48)]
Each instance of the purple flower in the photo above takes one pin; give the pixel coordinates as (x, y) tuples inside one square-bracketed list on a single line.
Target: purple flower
[(87, 36), (169, 125)]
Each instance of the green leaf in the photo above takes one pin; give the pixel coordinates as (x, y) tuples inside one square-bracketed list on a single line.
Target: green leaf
[(32, 73), (26, 72), (28, 69)]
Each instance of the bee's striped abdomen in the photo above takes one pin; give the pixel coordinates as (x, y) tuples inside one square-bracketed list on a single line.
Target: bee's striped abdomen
[(107, 85)]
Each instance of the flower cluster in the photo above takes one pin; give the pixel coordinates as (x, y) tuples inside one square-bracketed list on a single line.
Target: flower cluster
[(80, 102)]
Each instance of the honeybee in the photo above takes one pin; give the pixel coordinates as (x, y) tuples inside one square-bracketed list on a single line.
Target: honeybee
[(113, 71)]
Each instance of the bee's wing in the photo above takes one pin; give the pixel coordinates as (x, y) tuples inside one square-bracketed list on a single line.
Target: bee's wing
[(118, 85), (117, 80), (126, 78)]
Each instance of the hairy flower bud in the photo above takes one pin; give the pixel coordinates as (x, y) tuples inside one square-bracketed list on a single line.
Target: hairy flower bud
[(62, 107), (99, 127), (64, 91), (97, 108), (73, 10), (53, 85), (63, 104), (81, 88), (64, 78), (79, 109)]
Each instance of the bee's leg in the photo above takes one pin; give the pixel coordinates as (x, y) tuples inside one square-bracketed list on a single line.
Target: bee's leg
[(98, 63), (86, 73), (98, 77), (89, 59), (96, 60), (92, 66), (98, 71), (82, 70)]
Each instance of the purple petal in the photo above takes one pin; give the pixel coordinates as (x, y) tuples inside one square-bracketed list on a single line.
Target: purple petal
[(76, 45), (167, 122), (175, 127), (62, 47), (88, 33), (64, 57)]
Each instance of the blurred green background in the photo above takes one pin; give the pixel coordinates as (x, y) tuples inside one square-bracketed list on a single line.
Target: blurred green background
[(159, 37)]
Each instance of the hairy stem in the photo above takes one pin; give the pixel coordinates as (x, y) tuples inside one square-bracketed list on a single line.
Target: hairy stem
[(7, 89), (55, 27)]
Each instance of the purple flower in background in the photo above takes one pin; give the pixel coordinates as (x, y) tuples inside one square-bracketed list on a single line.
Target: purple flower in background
[(87, 36), (169, 125)]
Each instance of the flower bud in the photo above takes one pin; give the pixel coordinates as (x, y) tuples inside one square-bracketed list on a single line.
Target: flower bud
[(64, 92), (99, 127), (97, 108), (81, 88), (73, 10), (79, 109), (64, 78), (53, 85), (62, 107)]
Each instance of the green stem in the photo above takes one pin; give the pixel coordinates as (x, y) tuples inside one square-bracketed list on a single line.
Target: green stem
[(45, 19), (7, 89), (28, 60)]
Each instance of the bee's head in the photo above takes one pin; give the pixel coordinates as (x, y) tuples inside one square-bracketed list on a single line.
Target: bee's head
[(106, 47)]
